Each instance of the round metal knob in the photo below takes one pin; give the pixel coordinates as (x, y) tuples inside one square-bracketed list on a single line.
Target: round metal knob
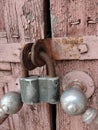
[(11, 102), (73, 101)]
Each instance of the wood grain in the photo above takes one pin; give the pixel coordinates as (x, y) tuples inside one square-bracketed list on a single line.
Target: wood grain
[(65, 12), (5, 66), (2, 27), (62, 14), (24, 22)]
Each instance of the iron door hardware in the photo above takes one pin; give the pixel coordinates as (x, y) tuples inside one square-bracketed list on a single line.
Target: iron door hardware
[(36, 89), (59, 48), (78, 87), (10, 103)]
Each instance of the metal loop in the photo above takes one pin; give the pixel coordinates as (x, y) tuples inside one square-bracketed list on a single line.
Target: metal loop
[(35, 51), (25, 57), (49, 64), (40, 57)]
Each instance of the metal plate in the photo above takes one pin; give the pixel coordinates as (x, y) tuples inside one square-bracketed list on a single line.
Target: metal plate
[(83, 78), (72, 48)]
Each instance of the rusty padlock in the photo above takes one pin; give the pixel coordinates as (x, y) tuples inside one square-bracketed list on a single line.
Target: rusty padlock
[(36, 89), (49, 84)]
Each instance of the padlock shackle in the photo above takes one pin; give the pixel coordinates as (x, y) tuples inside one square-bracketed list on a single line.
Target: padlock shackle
[(49, 63), (34, 55), (25, 72)]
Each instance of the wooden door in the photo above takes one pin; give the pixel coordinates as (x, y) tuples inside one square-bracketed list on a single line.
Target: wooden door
[(21, 21), (64, 13), (28, 20)]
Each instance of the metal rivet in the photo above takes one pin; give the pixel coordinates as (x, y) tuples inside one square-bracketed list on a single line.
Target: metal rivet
[(83, 48)]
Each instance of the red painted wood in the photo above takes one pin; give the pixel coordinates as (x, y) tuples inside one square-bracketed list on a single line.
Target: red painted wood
[(5, 66), (23, 22), (2, 25), (62, 13)]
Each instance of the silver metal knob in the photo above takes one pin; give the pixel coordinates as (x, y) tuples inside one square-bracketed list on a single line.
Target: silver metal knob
[(73, 101), (11, 103), (78, 86)]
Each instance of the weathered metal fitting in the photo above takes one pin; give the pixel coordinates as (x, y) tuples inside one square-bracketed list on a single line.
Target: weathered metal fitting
[(25, 57), (36, 89), (29, 90), (35, 53), (83, 48), (76, 86), (90, 115), (11, 103), (49, 89), (74, 101), (80, 79)]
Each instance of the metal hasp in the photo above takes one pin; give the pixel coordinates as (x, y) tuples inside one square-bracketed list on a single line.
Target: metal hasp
[(10, 104), (72, 48), (77, 86), (59, 48), (35, 89)]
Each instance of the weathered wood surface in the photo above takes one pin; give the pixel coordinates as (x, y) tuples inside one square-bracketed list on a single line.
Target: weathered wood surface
[(21, 21), (63, 13)]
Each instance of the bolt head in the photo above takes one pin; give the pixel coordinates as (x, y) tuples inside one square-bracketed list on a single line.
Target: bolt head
[(82, 48)]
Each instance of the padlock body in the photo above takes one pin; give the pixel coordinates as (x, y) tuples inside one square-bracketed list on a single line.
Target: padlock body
[(29, 90), (49, 89)]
